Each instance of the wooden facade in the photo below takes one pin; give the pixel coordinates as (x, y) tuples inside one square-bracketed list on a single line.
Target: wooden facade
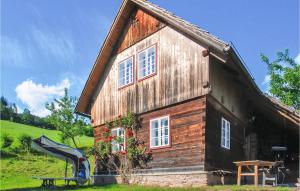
[(194, 84), (140, 25), (181, 75)]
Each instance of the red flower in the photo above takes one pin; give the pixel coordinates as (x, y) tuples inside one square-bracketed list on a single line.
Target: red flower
[(129, 133), (110, 138)]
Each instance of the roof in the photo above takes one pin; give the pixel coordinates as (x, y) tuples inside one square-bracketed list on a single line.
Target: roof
[(214, 44)]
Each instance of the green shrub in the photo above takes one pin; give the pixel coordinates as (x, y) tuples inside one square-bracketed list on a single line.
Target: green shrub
[(25, 141), (7, 140)]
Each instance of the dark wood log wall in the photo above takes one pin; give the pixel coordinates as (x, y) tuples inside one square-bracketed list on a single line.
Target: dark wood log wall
[(187, 131), (217, 157)]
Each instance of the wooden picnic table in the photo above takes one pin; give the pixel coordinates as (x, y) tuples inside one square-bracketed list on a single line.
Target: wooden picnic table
[(252, 167), (50, 182)]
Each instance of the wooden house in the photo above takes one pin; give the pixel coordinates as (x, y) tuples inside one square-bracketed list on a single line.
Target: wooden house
[(200, 108)]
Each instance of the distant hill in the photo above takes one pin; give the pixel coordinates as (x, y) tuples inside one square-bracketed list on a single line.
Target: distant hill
[(16, 130)]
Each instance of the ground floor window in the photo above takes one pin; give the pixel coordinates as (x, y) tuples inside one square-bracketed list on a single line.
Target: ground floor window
[(118, 144), (225, 134), (159, 132)]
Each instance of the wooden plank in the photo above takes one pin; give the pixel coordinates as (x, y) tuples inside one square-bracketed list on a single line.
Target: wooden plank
[(256, 175), (239, 175), (247, 174)]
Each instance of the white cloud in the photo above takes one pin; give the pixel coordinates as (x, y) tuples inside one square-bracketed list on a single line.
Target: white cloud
[(267, 80), (35, 95), (297, 59)]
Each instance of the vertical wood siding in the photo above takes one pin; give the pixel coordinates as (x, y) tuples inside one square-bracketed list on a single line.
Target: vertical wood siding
[(181, 73), (227, 91), (140, 25)]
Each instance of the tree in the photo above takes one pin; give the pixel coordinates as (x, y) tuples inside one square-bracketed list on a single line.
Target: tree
[(26, 117), (284, 78), (64, 119)]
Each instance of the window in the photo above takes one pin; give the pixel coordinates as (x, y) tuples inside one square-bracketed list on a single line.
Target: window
[(126, 72), (147, 62), (225, 134), (159, 132), (118, 144)]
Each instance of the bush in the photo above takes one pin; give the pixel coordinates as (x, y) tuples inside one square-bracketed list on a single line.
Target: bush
[(25, 141), (6, 140)]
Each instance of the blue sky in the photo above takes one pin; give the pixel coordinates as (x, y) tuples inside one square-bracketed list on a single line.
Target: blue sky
[(51, 44)]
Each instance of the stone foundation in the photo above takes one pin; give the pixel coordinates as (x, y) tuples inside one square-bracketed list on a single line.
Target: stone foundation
[(178, 179)]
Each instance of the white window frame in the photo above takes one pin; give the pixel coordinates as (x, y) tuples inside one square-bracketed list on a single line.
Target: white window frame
[(114, 143), (148, 68), (161, 133), (225, 133), (128, 72)]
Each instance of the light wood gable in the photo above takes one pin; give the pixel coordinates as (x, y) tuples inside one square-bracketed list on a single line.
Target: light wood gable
[(215, 45), (181, 74)]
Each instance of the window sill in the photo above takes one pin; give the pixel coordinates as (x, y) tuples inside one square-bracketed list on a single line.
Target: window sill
[(125, 86), (160, 147), (146, 77)]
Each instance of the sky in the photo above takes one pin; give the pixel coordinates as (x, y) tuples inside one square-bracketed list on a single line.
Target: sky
[(50, 45)]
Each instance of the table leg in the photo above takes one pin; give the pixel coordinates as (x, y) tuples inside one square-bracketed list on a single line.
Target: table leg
[(256, 175), (239, 175)]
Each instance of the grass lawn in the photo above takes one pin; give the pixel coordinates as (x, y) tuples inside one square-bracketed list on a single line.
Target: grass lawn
[(115, 187)]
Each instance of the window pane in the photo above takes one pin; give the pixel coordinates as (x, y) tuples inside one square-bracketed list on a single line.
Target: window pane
[(166, 131), (160, 132), (142, 64), (125, 72), (154, 133), (147, 62), (114, 132), (151, 59)]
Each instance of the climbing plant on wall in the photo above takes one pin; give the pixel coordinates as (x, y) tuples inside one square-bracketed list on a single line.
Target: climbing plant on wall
[(134, 156)]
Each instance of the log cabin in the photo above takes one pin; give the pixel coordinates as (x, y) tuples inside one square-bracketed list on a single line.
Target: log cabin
[(201, 110)]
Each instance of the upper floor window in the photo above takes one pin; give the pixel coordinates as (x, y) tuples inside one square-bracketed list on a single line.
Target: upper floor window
[(159, 132), (225, 134), (118, 144), (147, 62), (126, 72)]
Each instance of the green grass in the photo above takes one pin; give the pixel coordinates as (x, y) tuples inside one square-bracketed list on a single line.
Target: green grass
[(16, 130), (118, 187)]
